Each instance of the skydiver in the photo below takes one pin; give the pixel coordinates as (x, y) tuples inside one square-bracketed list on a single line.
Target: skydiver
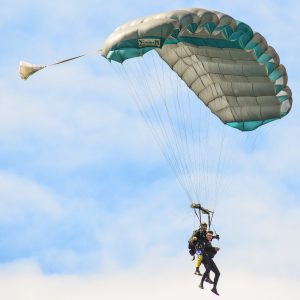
[(208, 254), (195, 245)]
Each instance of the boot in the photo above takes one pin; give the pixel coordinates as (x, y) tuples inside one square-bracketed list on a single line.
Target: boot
[(197, 272), (214, 290), (209, 280)]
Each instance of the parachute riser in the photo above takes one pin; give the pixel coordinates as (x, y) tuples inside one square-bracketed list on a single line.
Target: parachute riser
[(200, 211)]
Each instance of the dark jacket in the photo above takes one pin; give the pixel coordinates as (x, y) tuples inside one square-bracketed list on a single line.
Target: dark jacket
[(198, 244), (209, 250)]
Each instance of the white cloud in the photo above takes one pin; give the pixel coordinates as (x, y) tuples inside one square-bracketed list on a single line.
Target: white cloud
[(154, 279), (72, 121), (20, 196)]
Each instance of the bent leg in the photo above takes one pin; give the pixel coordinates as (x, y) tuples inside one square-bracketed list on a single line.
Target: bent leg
[(215, 269), (198, 261), (207, 265)]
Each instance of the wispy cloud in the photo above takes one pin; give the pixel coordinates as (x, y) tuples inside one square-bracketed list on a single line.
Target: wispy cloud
[(20, 196)]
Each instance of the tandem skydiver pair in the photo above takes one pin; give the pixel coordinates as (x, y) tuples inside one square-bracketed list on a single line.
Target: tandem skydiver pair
[(200, 246)]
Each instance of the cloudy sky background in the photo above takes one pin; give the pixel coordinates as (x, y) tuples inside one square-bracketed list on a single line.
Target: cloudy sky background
[(89, 209)]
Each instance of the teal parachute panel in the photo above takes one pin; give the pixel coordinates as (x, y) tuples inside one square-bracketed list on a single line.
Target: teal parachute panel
[(230, 68)]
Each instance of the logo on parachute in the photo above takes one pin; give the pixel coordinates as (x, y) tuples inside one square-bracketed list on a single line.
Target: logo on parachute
[(148, 43)]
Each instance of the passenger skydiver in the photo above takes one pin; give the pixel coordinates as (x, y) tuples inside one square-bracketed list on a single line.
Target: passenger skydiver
[(208, 254)]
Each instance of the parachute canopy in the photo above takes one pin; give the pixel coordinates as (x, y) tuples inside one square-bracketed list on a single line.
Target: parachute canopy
[(231, 68)]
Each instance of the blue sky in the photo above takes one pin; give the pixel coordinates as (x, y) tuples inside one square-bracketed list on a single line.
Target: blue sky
[(87, 201)]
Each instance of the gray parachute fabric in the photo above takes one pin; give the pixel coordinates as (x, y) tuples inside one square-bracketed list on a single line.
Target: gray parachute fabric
[(228, 66)]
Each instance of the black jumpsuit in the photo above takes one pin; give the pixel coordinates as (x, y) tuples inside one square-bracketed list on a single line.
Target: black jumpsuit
[(209, 253)]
